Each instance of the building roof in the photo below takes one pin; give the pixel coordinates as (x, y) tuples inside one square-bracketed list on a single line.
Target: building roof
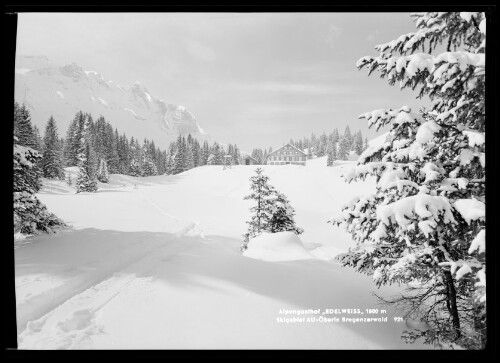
[(293, 147)]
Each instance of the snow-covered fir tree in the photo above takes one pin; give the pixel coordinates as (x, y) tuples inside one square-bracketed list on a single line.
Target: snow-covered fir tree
[(86, 181), (217, 153), (30, 215), (102, 172), (335, 136), (51, 163), (135, 168), (148, 165), (205, 153), (358, 143), (323, 144), (236, 155), (263, 194), (23, 130), (37, 139), (331, 151), (348, 137), (72, 143), (179, 157), (425, 224), (343, 148), (196, 151), (282, 216), (189, 157)]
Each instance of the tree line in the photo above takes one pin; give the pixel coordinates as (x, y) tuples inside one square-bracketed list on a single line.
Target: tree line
[(98, 150)]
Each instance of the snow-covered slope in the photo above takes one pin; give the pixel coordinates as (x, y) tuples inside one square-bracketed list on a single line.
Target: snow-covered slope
[(154, 263), (47, 89)]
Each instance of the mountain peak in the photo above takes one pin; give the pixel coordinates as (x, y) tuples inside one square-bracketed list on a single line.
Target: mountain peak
[(62, 91)]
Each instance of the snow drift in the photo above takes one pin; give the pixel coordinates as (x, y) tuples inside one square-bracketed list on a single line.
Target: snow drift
[(281, 246)]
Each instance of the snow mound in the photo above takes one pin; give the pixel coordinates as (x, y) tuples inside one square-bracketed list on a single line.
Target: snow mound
[(281, 246)]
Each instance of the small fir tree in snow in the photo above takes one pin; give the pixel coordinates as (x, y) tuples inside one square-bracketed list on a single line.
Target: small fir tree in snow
[(282, 216), (51, 163), (425, 224), (102, 172), (263, 194)]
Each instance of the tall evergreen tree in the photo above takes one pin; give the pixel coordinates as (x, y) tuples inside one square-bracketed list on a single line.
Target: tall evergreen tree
[(51, 163), (189, 155), (86, 181), (335, 136), (135, 168), (217, 153), (205, 153), (180, 156), (348, 137), (358, 143), (102, 172), (23, 130), (425, 224), (344, 147), (72, 142), (148, 166), (37, 139), (323, 141), (331, 152)]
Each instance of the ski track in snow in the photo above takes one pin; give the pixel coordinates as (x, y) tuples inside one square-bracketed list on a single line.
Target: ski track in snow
[(162, 211), (72, 323)]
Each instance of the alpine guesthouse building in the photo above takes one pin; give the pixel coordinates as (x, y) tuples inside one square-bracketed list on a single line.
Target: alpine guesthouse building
[(287, 154)]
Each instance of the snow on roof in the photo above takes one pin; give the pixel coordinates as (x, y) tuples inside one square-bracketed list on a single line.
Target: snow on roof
[(290, 145)]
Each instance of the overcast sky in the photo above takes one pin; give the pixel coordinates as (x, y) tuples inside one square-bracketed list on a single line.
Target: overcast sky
[(254, 79)]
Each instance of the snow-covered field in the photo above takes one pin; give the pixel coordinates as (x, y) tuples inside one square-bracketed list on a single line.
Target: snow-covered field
[(154, 262)]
